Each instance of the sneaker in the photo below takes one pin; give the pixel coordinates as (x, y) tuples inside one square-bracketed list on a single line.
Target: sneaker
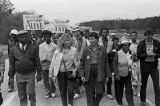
[(10, 89), (119, 105), (76, 96), (138, 94), (53, 95), (47, 96), (143, 104), (69, 105), (110, 96)]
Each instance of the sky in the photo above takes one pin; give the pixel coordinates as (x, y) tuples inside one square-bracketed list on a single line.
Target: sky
[(88, 10)]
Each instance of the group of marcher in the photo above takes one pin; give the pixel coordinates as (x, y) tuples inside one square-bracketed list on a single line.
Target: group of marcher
[(83, 58)]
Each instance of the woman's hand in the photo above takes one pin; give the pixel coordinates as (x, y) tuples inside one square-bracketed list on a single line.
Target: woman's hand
[(74, 73), (54, 78)]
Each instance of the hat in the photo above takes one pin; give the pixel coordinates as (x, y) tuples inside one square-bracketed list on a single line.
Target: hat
[(22, 32), (113, 34), (13, 31), (76, 29), (45, 32), (124, 39)]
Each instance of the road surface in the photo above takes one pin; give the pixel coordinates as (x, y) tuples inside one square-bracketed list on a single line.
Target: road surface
[(11, 99)]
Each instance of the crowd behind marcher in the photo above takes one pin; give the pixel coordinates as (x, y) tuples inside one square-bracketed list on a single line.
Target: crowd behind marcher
[(82, 58)]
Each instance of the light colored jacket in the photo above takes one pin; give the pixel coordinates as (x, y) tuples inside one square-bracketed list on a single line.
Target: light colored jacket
[(56, 61), (109, 45), (45, 49)]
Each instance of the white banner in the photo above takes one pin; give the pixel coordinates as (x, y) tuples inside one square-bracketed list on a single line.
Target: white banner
[(56, 28), (33, 22)]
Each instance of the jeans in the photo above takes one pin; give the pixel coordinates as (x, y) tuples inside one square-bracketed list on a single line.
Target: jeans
[(109, 86), (119, 87), (11, 82), (48, 83), (154, 73), (26, 88), (66, 88), (94, 89)]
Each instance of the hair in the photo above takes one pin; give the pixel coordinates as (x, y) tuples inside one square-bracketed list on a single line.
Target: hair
[(45, 32), (62, 39), (133, 32), (105, 28), (115, 38), (148, 31), (93, 34)]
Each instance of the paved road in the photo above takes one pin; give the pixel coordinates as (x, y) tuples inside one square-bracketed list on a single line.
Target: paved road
[(11, 99)]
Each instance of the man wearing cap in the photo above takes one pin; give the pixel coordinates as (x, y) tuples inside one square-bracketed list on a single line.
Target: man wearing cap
[(11, 42), (46, 51), (24, 60), (148, 51)]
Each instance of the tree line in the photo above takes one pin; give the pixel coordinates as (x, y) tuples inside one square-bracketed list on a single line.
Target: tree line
[(139, 24)]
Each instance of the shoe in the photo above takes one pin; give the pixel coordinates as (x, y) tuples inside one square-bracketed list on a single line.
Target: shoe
[(10, 89), (47, 96), (69, 105), (119, 105), (53, 95), (138, 94), (110, 96), (143, 104), (76, 96)]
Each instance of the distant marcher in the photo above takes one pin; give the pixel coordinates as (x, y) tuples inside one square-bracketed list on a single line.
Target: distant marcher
[(13, 40), (81, 43), (24, 59), (46, 51), (135, 68), (2, 69), (86, 33), (121, 66), (148, 51), (64, 67), (106, 41), (94, 70)]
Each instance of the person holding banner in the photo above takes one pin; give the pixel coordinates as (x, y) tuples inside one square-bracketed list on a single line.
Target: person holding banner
[(46, 51)]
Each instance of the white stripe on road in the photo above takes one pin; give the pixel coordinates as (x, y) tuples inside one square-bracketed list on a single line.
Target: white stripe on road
[(8, 101)]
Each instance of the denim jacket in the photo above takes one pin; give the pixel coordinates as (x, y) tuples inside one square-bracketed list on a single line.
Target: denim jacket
[(103, 66)]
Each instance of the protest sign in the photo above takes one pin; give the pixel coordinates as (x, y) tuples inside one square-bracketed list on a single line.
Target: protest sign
[(33, 22)]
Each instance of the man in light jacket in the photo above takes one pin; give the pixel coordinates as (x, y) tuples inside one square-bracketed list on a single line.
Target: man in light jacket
[(46, 51)]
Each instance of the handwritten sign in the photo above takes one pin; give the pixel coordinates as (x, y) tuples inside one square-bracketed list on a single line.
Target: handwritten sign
[(56, 28), (33, 22)]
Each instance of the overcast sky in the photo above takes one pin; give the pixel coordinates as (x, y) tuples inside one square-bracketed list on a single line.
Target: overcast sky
[(87, 10)]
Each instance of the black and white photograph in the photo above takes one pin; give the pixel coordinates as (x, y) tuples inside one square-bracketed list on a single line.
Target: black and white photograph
[(79, 52)]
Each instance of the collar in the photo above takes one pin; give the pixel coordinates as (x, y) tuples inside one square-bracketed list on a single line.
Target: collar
[(148, 42), (52, 44), (90, 47), (20, 45)]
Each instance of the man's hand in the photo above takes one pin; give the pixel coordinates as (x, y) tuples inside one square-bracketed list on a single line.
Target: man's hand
[(106, 80), (1, 79), (39, 77), (83, 79), (117, 77)]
